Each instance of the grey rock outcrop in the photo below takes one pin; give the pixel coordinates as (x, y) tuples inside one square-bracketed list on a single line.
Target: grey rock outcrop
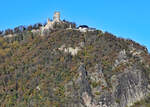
[(127, 88)]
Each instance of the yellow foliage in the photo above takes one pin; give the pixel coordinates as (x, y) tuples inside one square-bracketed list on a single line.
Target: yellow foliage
[(1, 39), (5, 44), (11, 68), (2, 52), (73, 68), (7, 50), (62, 59), (15, 44)]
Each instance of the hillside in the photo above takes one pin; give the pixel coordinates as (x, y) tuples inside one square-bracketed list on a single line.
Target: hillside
[(69, 68)]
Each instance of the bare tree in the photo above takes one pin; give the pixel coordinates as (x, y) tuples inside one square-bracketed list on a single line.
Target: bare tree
[(37, 26), (1, 33), (29, 28), (8, 31), (19, 29)]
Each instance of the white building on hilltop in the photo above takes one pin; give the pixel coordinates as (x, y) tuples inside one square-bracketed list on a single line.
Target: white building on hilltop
[(85, 28)]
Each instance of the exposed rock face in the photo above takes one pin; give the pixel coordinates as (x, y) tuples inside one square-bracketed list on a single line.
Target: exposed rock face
[(72, 51), (122, 58), (127, 88), (82, 81), (131, 87)]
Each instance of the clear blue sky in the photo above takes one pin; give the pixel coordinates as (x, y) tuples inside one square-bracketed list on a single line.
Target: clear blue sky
[(124, 18)]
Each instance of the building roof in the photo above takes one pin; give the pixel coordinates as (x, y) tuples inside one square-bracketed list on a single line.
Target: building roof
[(83, 26)]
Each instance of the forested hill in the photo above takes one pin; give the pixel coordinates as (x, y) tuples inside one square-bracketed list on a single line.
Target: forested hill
[(66, 67)]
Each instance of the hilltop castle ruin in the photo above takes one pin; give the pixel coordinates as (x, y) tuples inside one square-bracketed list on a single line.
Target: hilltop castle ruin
[(56, 20), (56, 17), (50, 23), (54, 24)]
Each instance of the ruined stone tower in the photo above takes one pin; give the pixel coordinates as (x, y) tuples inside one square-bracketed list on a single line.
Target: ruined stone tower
[(48, 20), (56, 17), (50, 23)]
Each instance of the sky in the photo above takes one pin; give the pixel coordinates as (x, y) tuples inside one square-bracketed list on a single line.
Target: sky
[(123, 18)]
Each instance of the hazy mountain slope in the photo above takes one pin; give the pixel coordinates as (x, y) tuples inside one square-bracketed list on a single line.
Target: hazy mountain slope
[(68, 68)]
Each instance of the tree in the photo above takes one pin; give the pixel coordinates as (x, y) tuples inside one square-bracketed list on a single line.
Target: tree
[(19, 29), (37, 26), (16, 30), (8, 31), (1, 33), (29, 28)]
